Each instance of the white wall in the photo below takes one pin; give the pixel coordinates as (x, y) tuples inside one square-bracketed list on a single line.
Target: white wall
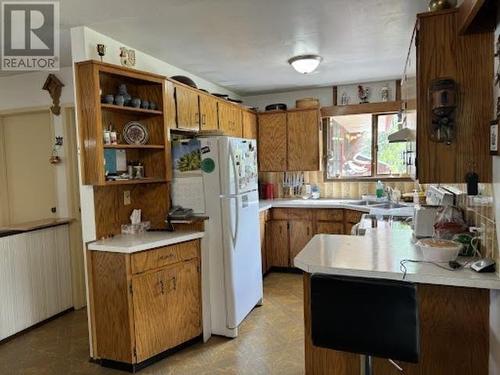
[(324, 94), (24, 92), (495, 296), (143, 61)]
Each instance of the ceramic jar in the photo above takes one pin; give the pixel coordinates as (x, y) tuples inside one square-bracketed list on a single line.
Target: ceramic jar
[(109, 99), (436, 5), (136, 103), (145, 104), (119, 100), (122, 90)]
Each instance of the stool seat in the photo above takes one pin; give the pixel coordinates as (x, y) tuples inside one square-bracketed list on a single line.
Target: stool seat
[(374, 317)]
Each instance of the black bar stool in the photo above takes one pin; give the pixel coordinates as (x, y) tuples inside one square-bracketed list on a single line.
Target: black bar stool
[(374, 317)]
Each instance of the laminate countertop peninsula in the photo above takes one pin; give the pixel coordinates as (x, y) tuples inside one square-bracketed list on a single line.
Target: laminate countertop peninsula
[(132, 243), (454, 306), (379, 253)]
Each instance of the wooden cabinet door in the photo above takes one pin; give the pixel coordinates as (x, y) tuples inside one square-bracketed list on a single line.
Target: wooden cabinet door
[(187, 315), (155, 301), (167, 308), (186, 103), (249, 125), (208, 109), (326, 227), (262, 220), (272, 142), (278, 254), (301, 233), (230, 119), (303, 140)]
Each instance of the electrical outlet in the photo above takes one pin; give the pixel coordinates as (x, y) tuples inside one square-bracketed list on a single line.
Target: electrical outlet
[(126, 197)]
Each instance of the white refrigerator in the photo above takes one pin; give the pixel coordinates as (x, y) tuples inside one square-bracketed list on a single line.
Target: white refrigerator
[(230, 180)]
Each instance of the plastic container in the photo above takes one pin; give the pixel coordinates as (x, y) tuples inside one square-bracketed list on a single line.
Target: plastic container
[(440, 251)]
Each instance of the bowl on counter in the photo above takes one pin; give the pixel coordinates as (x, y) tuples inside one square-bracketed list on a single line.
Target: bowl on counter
[(437, 250)]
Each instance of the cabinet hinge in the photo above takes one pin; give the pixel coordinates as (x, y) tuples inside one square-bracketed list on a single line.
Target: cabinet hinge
[(288, 225), (130, 289), (135, 353)]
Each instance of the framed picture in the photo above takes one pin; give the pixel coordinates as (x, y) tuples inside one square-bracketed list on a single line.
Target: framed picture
[(494, 137)]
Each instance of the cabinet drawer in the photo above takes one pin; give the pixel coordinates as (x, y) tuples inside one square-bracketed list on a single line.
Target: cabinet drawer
[(163, 256), (188, 250), (330, 214), (151, 259), (279, 214), (299, 214), (353, 217)]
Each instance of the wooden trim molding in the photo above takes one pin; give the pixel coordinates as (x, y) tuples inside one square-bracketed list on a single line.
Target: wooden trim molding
[(357, 109)]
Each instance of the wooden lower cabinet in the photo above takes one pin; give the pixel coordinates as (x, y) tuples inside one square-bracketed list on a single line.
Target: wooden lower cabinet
[(290, 229), (326, 227), (454, 336), (263, 218), (301, 233), (278, 253), (138, 313)]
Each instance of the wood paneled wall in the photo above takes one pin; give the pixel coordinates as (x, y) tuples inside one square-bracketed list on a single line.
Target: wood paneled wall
[(111, 213)]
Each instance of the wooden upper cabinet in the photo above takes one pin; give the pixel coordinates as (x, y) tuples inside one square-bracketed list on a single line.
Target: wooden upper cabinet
[(303, 140), (272, 142), (249, 125), (230, 119), (187, 108), (208, 109), (93, 77)]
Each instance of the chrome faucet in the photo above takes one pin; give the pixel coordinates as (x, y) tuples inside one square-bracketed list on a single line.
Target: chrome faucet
[(390, 192)]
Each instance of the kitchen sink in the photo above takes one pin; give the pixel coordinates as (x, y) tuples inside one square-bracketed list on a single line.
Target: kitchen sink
[(365, 203), (389, 205)]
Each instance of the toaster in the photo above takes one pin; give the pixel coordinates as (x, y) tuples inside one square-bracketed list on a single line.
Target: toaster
[(423, 220)]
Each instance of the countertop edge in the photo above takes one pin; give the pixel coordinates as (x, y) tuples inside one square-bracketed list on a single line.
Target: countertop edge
[(93, 246)]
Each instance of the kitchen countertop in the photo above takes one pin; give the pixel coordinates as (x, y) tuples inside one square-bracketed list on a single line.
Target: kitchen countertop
[(310, 203), (34, 225), (132, 243), (378, 254)]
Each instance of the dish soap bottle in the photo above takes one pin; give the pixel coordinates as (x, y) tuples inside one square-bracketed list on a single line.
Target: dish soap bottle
[(380, 189)]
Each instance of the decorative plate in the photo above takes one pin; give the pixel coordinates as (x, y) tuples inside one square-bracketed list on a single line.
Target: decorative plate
[(134, 133)]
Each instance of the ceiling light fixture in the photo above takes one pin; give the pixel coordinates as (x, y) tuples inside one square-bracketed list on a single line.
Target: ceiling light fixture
[(305, 64)]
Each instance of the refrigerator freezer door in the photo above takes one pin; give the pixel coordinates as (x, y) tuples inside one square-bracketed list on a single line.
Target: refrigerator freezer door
[(242, 256), (239, 172)]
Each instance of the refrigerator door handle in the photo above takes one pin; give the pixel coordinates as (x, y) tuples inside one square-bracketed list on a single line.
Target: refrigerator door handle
[(233, 163), (234, 236), (236, 224)]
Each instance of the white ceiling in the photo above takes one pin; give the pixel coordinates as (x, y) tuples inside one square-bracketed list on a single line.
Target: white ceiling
[(244, 45)]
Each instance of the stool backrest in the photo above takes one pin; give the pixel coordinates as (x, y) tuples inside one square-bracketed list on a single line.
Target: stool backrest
[(375, 317)]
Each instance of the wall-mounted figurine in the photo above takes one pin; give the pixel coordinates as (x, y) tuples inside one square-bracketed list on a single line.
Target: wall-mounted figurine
[(363, 94), (54, 86), (127, 57), (384, 94), (101, 50), (444, 100)]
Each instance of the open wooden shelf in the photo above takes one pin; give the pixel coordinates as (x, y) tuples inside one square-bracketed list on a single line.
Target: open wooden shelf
[(121, 108), (135, 147), (136, 181)]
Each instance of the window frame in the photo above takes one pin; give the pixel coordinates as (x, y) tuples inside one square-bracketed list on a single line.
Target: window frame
[(374, 148)]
